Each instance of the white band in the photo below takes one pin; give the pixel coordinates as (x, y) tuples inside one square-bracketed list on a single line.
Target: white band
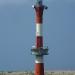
[(39, 59), (39, 29)]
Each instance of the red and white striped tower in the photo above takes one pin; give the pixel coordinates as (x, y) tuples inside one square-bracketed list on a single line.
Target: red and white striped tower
[(38, 50)]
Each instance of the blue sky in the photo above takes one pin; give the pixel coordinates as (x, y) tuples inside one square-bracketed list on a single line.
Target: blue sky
[(17, 35)]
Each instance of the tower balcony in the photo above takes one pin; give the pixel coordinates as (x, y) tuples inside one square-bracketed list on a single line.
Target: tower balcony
[(39, 51)]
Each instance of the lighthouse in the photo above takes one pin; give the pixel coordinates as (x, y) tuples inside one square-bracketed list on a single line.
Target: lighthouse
[(38, 50)]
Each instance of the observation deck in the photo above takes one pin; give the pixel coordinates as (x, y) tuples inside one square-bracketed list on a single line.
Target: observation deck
[(39, 51)]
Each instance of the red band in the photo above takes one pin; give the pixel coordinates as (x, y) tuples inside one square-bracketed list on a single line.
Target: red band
[(39, 41), (39, 14), (39, 69)]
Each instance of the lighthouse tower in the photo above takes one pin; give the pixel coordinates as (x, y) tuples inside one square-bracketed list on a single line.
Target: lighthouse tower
[(39, 51)]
